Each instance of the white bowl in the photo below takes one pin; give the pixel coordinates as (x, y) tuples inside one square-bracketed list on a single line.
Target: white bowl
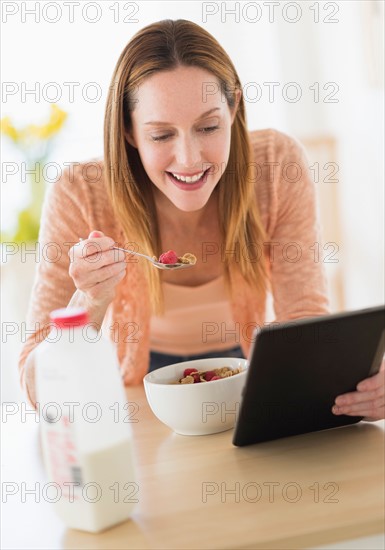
[(196, 409)]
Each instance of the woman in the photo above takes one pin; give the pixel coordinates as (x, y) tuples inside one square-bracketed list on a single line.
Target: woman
[(181, 172)]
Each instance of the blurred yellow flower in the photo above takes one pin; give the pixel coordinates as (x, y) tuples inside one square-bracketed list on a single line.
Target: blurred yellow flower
[(32, 131), (7, 129), (35, 143)]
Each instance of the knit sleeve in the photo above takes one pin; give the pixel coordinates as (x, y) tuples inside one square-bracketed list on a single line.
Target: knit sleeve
[(298, 276), (65, 215)]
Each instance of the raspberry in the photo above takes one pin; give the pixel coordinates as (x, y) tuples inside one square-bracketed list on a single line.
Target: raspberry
[(215, 378), (196, 377), (168, 257), (209, 375), (188, 372)]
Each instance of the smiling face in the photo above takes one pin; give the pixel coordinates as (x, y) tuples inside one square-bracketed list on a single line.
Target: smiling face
[(182, 134)]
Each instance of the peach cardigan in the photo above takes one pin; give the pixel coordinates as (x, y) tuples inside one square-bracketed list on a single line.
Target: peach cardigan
[(78, 202)]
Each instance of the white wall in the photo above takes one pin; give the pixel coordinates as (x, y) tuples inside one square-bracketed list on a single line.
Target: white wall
[(341, 53)]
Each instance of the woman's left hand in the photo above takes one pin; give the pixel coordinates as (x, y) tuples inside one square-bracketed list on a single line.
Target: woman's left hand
[(368, 401)]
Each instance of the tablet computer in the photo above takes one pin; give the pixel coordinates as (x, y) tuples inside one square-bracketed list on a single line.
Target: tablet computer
[(297, 369)]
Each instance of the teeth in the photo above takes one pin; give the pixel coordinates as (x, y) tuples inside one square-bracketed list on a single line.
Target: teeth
[(189, 179)]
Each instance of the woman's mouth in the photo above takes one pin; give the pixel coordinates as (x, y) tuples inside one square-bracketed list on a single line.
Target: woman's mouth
[(189, 183)]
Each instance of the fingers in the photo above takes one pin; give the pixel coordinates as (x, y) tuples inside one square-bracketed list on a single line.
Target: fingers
[(362, 408), (370, 413), (90, 247), (90, 278), (368, 401), (369, 389), (96, 267), (102, 259), (101, 288), (86, 275), (90, 256), (95, 234), (352, 398), (373, 382)]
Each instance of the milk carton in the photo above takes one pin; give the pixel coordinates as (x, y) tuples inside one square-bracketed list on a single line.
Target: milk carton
[(87, 446)]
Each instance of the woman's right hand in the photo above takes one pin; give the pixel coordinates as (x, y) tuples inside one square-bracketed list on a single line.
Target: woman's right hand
[(96, 268)]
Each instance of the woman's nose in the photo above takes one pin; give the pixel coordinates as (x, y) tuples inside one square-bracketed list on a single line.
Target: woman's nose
[(187, 152)]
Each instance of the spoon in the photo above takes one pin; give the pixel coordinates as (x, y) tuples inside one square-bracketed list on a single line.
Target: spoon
[(155, 263)]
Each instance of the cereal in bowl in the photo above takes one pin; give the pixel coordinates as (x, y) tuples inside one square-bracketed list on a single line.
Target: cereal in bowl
[(194, 376)]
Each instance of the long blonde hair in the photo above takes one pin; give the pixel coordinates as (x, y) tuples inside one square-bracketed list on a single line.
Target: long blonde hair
[(163, 46)]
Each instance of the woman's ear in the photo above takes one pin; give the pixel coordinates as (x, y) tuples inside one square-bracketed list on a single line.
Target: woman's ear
[(238, 95), (130, 139)]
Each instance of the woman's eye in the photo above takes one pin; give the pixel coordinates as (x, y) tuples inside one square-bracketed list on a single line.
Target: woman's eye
[(160, 138), (206, 130), (209, 129)]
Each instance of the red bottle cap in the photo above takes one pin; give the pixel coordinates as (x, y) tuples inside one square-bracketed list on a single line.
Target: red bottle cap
[(70, 317)]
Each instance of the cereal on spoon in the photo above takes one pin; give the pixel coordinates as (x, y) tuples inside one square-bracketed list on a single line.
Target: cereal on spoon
[(170, 257)]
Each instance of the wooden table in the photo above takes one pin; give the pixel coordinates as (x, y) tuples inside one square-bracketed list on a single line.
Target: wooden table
[(201, 492)]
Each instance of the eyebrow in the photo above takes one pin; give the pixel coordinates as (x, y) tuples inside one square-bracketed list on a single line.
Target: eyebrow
[(158, 123)]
